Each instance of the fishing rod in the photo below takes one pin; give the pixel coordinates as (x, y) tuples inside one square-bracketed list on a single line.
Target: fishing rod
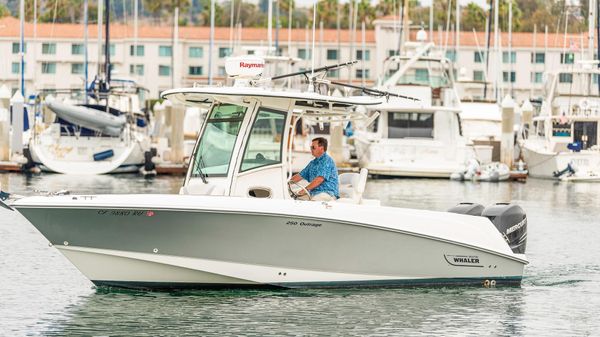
[(363, 89), (374, 92), (316, 70)]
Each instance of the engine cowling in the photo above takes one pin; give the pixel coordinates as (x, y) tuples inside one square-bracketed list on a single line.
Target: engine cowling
[(509, 219), (511, 222)]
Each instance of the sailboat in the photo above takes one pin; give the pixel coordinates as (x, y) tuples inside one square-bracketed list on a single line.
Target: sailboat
[(107, 133)]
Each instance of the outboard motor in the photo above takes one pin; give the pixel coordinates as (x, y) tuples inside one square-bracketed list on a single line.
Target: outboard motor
[(511, 222), (467, 208)]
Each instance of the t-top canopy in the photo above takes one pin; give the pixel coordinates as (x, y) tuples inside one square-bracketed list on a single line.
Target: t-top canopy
[(308, 104)]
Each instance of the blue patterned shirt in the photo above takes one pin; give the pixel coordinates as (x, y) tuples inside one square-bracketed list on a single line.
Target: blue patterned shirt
[(323, 166)]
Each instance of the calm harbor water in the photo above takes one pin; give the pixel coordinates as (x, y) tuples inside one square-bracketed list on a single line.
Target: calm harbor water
[(42, 294)]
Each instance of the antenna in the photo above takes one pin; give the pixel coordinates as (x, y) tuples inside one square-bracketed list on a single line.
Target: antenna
[(312, 51)]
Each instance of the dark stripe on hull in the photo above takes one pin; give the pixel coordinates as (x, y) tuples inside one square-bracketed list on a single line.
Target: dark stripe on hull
[(435, 282)]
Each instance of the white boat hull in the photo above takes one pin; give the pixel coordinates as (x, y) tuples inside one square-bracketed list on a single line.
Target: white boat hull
[(430, 159), (273, 243), (75, 155), (543, 164)]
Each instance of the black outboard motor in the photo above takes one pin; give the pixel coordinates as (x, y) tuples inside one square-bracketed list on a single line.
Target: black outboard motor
[(467, 208), (511, 222)]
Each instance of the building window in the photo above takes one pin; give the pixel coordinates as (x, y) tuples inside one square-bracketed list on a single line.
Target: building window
[(538, 58), (196, 52), (505, 76), (136, 69), (48, 68), (478, 57), (76, 68), (49, 48), (332, 54), (478, 76), (139, 52), (164, 70), (195, 70), (565, 78), (451, 55), (567, 58), (304, 54), (536, 77), (392, 52), (77, 49), (224, 52), (166, 51), (422, 75), (16, 46), (221, 71), (362, 74), (505, 57), (333, 73), (16, 67), (111, 49), (359, 55)]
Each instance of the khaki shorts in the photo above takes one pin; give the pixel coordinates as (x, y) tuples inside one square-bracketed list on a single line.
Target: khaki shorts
[(323, 196)]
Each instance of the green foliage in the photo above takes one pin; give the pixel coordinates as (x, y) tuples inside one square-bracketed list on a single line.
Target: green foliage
[(4, 11)]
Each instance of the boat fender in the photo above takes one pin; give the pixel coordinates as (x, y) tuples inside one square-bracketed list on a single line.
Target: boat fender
[(511, 222), (467, 208), (103, 155)]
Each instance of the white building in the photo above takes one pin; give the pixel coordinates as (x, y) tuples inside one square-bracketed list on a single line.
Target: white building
[(54, 58)]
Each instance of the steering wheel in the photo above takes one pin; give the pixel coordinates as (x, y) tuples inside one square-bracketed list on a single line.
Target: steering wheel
[(295, 195)]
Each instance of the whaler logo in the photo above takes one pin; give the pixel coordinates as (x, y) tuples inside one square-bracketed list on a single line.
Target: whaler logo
[(251, 65), (463, 260)]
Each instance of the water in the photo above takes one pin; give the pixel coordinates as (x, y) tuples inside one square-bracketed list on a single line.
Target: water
[(41, 293)]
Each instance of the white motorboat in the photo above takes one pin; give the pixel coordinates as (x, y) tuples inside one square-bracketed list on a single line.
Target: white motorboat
[(235, 222), (417, 139), (566, 131)]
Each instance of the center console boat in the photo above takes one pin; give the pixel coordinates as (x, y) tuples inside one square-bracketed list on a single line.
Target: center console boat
[(236, 223)]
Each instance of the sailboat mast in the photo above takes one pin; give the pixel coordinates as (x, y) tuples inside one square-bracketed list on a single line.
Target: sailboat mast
[(85, 49), (22, 45), (99, 71), (591, 38), (107, 44)]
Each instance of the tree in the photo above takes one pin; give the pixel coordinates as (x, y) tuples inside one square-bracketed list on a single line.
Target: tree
[(4, 11), (327, 12), (473, 17)]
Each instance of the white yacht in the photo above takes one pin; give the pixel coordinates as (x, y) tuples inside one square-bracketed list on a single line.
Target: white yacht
[(421, 138), (236, 224), (563, 141), (94, 138)]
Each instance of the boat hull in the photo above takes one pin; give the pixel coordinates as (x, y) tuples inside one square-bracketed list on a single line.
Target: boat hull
[(75, 155), (199, 248), (543, 164)]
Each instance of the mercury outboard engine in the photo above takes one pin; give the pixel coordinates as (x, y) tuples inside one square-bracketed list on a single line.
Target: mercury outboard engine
[(511, 222)]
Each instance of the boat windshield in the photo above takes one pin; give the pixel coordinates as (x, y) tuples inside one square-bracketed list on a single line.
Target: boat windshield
[(213, 154)]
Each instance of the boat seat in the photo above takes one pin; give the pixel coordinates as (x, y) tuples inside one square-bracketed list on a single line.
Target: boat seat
[(352, 186)]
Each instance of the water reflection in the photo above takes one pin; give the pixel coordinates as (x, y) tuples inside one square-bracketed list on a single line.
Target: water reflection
[(355, 312)]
